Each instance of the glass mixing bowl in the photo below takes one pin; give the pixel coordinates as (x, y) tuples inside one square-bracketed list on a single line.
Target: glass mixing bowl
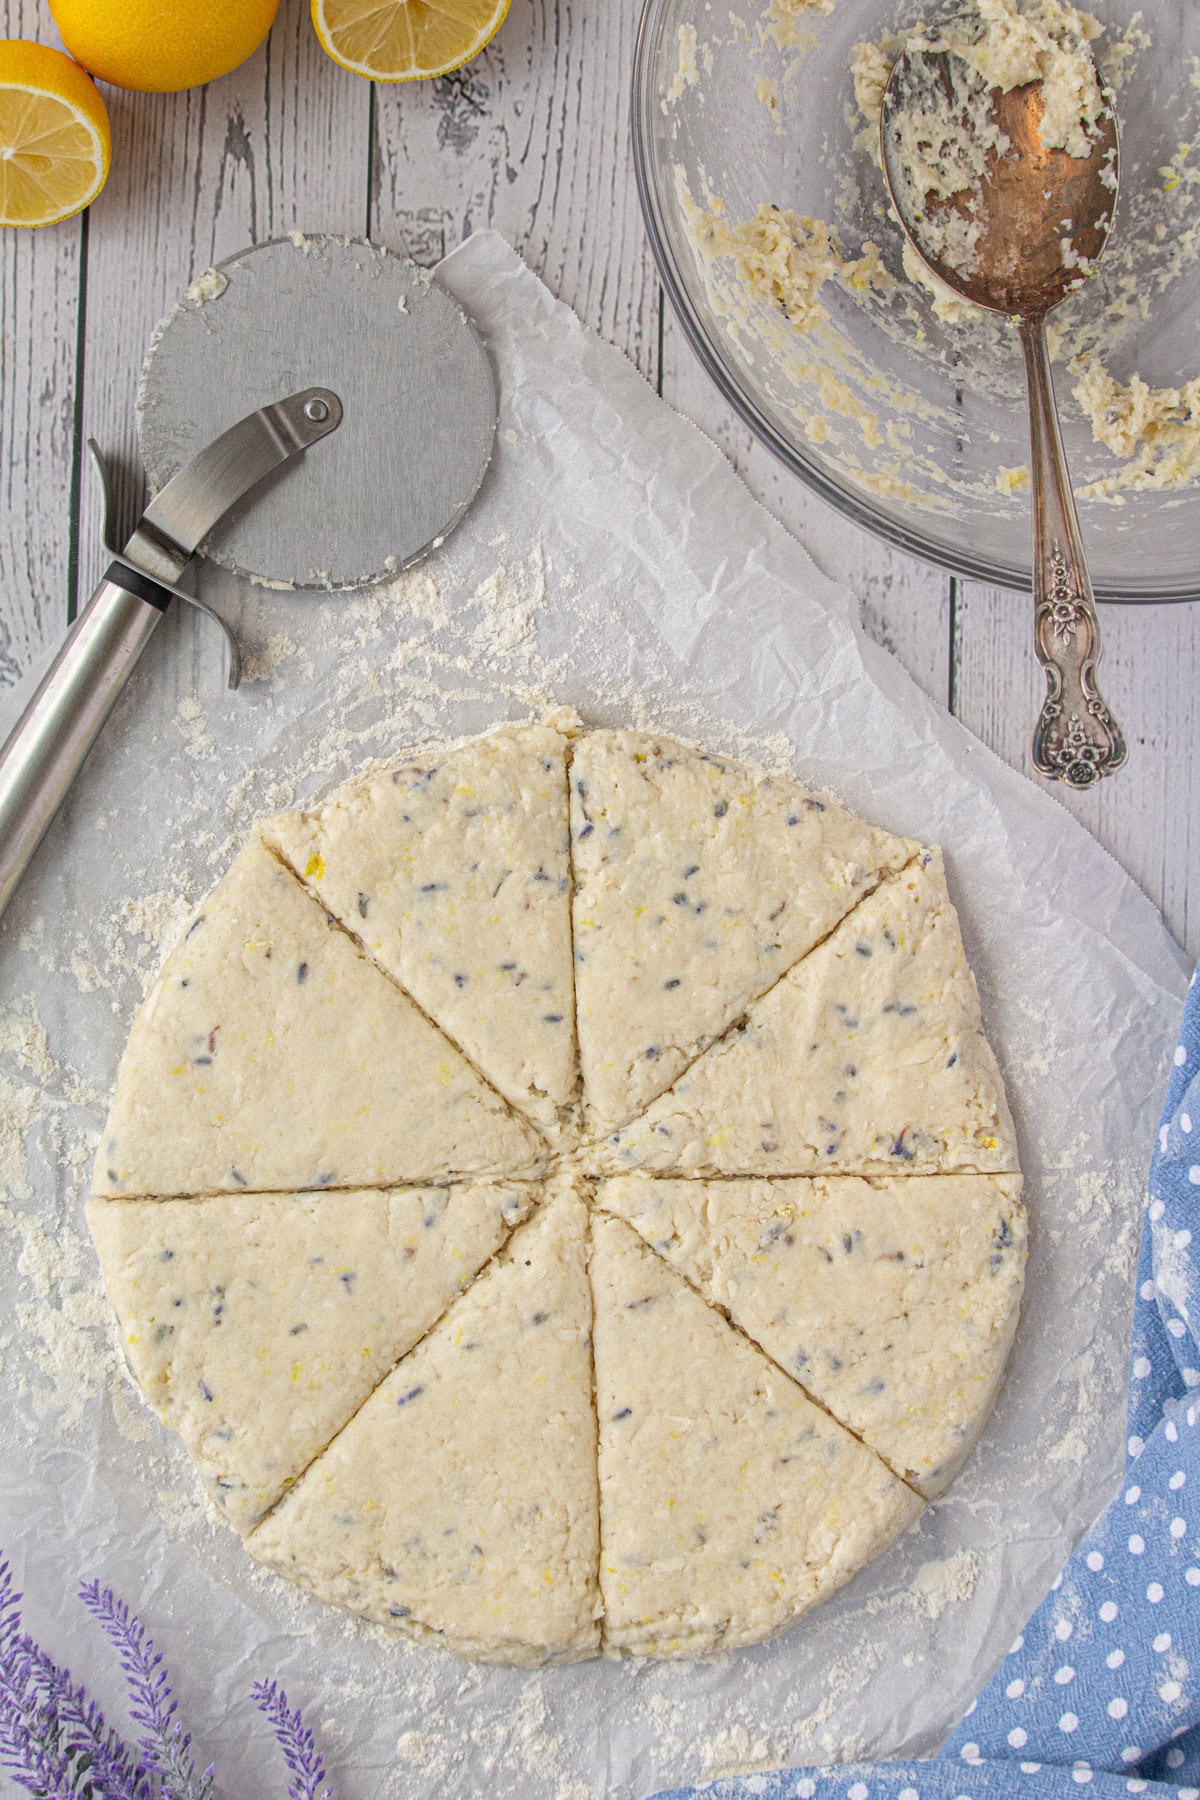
[(913, 427)]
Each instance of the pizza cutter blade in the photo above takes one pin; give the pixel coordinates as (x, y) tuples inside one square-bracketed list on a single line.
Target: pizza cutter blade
[(416, 389)]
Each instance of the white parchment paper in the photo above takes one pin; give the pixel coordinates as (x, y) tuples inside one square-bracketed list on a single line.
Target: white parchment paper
[(614, 562)]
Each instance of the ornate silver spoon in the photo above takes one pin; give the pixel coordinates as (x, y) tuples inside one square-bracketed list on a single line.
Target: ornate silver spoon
[(1025, 229)]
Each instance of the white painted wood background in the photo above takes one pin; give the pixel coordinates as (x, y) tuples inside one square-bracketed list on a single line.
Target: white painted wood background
[(532, 138)]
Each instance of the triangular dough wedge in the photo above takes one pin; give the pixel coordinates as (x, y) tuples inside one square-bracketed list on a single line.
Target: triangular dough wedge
[(698, 882), (257, 1324), (453, 872), (869, 1056), (893, 1301), (269, 1054), (729, 1503), (460, 1503)]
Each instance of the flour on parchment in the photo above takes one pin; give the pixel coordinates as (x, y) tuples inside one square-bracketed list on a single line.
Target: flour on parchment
[(459, 1505), (257, 1324), (270, 1055), (729, 1503), (453, 873), (698, 883), (893, 1302), (868, 1057)]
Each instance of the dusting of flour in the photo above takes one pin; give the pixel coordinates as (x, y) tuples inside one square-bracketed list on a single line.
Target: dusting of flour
[(457, 650), (937, 1584), (444, 649)]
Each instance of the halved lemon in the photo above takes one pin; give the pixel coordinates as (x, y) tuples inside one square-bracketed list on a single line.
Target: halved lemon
[(405, 40), (54, 136)]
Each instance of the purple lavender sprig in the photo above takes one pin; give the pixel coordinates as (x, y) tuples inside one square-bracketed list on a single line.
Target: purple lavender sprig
[(28, 1751), (22, 1750), (53, 1739), (299, 1748), (34, 1763), (165, 1745), (90, 1746), (56, 1745)]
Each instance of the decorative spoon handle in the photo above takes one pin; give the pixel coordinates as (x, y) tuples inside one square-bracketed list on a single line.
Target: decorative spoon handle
[(1077, 740)]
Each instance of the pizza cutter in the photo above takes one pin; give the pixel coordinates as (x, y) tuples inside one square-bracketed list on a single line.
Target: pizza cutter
[(336, 347)]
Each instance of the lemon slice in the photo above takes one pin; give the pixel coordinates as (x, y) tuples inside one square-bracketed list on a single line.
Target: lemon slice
[(54, 136), (405, 40)]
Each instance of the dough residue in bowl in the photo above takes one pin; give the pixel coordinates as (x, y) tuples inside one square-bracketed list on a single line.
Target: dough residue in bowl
[(770, 274)]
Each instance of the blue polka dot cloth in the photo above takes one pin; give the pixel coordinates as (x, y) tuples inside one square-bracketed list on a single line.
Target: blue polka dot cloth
[(1101, 1691)]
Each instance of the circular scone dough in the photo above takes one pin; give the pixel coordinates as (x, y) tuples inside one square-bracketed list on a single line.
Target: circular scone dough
[(561, 1194)]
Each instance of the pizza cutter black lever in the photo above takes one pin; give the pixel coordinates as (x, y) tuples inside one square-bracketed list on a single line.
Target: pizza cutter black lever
[(48, 746)]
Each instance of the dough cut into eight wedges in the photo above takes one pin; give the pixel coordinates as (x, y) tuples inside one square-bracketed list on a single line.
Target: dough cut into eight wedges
[(560, 1193)]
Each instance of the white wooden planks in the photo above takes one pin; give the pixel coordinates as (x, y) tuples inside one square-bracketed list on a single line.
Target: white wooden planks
[(39, 328), (1148, 813), (532, 138)]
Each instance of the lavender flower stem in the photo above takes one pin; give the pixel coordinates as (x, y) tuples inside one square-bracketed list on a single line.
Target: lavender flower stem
[(56, 1744), (165, 1746), (299, 1748)]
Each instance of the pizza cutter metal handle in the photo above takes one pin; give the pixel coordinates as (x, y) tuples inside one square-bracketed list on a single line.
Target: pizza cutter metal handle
[(50, 743)]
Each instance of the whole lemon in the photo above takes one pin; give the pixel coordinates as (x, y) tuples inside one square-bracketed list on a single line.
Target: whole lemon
[(158, 46)]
